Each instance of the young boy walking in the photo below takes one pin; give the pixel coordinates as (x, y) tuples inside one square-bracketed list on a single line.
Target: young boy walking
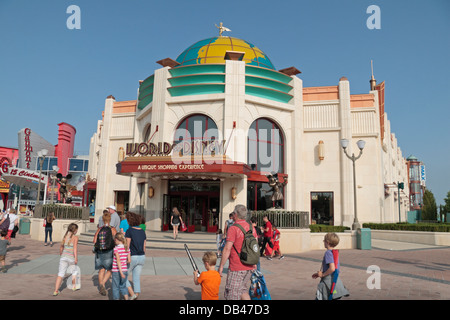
[(3, 244), (330, 285), (209, 279), (276, 243)]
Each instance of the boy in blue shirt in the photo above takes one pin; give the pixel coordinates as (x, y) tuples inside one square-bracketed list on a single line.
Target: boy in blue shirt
[(330, 284)]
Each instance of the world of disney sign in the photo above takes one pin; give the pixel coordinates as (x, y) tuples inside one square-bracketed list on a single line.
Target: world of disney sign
[(196, 147)]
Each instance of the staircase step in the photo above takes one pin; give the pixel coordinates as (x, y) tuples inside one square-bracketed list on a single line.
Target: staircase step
[(196, 241)]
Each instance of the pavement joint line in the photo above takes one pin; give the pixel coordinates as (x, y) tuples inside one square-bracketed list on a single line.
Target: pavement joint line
[(394, 273), (414, 249)]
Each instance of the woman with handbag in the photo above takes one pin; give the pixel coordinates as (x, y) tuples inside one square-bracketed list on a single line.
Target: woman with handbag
[(175, 221), (49, 228)]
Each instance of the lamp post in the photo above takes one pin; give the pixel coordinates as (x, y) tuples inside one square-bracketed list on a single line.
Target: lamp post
[(344, 144), (55, 169), (400, 185), (41, 157)]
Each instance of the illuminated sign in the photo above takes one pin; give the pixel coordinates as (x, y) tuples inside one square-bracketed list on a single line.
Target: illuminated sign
[(23, 173), (28, 148)]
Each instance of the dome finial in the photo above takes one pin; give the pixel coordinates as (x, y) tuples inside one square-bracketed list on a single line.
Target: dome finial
[(222, 29), (372, 80)]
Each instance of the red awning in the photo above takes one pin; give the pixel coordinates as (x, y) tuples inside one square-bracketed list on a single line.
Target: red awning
[(166, 166)]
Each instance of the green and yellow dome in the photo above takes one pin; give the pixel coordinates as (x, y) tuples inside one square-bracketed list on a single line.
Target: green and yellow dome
[(212, 51)]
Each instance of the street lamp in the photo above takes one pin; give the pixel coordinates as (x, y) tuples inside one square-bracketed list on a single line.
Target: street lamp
[(344, 144), (55, 169), (400, 185), (41, 156)]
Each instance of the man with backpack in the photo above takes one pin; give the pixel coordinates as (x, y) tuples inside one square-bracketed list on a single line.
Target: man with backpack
[(242, 252), (8, 221), (104, 249)]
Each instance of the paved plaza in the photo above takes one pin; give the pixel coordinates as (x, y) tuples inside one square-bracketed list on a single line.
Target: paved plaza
[(407, 272)]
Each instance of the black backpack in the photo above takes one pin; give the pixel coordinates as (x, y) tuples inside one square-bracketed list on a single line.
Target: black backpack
[(250, 250), (5, 224), (105, 239)]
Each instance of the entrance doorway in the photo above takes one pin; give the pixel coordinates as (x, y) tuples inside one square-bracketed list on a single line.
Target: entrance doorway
[(322, 208), (198, 203), (122, 201)]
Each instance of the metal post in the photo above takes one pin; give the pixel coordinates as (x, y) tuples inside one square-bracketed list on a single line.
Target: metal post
[(53, 190), (398, 199), (356, 224), (41, 161)]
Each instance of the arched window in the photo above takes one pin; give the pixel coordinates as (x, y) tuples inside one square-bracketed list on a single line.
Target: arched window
[(196, 128), (265, 149), (265, 153)]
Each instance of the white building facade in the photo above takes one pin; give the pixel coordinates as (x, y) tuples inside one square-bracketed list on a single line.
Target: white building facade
[(205, 132)]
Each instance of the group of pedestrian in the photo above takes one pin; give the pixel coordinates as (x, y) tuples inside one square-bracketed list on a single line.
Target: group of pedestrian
[(119, 248), (126, 255), (120, 253), (239, 273), (270, 240)]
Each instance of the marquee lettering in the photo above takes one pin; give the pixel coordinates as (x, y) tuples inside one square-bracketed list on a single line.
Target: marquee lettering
[(196, 147), (162, 167), (28, 148)]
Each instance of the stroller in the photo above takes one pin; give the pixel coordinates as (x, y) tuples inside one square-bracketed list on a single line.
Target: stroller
[(221, 246), (258, 288)]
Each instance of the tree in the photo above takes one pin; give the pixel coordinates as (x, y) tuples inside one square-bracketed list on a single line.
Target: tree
[(429, 210), (446, 207)]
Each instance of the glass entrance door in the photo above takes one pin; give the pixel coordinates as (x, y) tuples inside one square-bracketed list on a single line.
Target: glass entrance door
[(198, 203), (322, 208)]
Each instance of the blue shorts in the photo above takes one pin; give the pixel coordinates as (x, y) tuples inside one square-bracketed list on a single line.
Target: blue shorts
[(104, 260)]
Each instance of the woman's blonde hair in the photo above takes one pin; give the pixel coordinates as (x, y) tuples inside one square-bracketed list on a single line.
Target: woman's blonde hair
[(72, 228), (106, 217), (121, 237), (175, 210)]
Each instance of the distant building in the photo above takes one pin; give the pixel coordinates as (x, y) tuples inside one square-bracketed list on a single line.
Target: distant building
[(60, 157), (8, 157), (417, 182)]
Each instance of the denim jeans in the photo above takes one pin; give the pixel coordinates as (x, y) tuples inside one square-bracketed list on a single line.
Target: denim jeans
[(135, 269), (119, 285), (104, 260), (48, 232)]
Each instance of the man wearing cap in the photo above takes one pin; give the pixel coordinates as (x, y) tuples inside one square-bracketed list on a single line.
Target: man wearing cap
[(115, 219)]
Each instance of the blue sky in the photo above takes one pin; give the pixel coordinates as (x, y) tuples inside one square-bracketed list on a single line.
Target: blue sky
[(50, 74)]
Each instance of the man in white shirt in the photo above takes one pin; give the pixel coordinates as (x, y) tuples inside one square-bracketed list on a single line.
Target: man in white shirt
[(13, 220), (115, 219)]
